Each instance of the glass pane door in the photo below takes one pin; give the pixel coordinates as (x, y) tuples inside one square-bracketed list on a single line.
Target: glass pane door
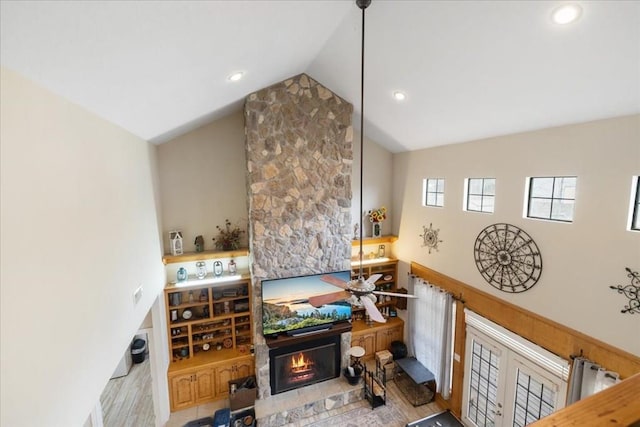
[(535, 393), (483, 384)]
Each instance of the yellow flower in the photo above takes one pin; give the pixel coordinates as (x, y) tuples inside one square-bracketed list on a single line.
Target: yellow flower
[(378, 215)]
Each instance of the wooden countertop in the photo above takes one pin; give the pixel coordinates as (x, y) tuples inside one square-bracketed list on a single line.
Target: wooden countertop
[(618, 405), (361, 325)]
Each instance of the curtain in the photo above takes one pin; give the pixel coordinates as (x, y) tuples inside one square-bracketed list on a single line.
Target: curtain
[(588, 378), (431, 331)]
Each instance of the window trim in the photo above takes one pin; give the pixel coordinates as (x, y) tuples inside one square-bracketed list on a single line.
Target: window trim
[(634, 205), (527, 199)]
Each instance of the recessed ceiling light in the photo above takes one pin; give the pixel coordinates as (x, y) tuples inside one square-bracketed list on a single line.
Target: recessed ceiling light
[(399, 96), (236, 76), (566, 14)]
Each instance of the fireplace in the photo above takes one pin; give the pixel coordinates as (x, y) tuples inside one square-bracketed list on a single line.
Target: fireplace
[(304, 363)]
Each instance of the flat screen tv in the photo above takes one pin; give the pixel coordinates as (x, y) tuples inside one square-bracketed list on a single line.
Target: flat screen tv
[(286, 308)]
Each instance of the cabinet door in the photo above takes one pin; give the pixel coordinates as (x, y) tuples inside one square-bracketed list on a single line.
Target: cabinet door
[(244, 368), (223, 374), (204, 386), (366, 341), (395, 334), (385, 337), (382, 340), (182, 392)]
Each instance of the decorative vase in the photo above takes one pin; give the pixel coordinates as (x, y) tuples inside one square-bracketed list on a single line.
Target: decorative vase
[(376, 228)]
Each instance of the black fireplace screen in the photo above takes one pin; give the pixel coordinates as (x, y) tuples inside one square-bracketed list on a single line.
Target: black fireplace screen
[(306, 363)]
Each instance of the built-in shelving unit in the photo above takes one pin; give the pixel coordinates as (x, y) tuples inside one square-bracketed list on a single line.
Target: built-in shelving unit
[(208, 318), (210, 331), (203, 256), (374, 240)]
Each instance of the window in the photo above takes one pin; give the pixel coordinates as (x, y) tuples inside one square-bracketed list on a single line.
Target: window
[(634, 211), (433, 192), (480, 194), (551, 198)]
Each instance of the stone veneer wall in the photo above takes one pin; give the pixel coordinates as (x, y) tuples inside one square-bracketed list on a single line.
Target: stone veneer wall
[(299, 143)]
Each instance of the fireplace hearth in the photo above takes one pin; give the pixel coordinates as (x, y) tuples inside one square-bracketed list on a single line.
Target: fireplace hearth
[(304, 363)]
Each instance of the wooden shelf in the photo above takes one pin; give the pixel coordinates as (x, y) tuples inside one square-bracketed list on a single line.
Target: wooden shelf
[(206, 357), (374, 241), (203, 256)]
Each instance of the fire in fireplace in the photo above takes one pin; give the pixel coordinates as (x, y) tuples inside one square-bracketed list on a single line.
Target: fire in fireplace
[(301, 367), (304, 363)]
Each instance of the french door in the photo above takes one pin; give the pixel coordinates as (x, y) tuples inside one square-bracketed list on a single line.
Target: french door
[(503, 387)]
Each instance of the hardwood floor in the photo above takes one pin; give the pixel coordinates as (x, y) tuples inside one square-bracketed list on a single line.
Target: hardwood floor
[(127, 401)]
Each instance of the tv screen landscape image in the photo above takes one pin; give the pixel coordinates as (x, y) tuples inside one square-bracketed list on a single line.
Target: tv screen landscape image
[(286, 308)]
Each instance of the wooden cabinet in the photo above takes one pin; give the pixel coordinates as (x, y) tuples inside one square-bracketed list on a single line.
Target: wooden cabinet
[(207, 383), (192, 388), (228, 371), (366, 341), (377, 336), (388, 282), (385, 337)]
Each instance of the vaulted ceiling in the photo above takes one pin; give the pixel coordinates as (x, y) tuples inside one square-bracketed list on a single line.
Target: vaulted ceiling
[(470, 69)]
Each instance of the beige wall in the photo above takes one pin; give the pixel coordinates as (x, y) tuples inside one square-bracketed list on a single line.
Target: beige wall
[(79, 235), (378, 167), (203, 181), (580, 260)]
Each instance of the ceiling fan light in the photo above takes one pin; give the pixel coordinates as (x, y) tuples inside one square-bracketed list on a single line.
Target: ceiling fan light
[(566, 14)]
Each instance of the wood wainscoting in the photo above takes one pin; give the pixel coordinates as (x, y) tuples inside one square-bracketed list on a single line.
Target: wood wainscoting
[(558, 339)]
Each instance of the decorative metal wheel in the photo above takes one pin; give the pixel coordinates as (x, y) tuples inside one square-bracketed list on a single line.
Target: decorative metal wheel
[(631, 291), (508, 258), (430, 237)]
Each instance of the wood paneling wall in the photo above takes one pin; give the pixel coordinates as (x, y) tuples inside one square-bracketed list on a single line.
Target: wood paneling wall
[(558, 339)]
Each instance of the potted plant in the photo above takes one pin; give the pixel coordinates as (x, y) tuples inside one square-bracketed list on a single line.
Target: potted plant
[(228, 238)]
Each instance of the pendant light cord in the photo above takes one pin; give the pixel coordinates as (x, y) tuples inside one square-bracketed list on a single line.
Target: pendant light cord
[(361, 135)]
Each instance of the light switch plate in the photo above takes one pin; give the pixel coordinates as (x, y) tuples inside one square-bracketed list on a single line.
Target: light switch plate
[(137, 294)]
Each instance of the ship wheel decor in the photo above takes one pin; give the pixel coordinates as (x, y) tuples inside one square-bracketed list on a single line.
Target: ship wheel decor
[(430, 237), (508, 258), (631, 291)]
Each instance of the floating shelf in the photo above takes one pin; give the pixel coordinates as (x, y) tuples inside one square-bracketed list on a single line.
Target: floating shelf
[(374, 240), (203, 256)]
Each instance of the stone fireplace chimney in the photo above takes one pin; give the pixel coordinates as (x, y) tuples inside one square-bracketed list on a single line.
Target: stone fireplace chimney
[(299, 142)]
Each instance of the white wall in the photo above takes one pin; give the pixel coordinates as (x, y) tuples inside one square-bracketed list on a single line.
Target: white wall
[(203, 181), (580, 260), (79, 235)]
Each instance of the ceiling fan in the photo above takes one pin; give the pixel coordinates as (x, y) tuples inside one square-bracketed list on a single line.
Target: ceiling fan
[(359, 292)]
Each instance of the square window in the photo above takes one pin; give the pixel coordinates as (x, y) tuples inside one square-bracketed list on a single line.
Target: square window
[(480, 195), (552, 198), (433, 192)]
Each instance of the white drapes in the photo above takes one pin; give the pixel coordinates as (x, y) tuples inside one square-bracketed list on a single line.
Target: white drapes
[(588, 378), (430, 330)]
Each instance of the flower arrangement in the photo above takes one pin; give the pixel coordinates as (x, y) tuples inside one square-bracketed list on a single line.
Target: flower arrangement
[(229, 238), (378, 215)]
